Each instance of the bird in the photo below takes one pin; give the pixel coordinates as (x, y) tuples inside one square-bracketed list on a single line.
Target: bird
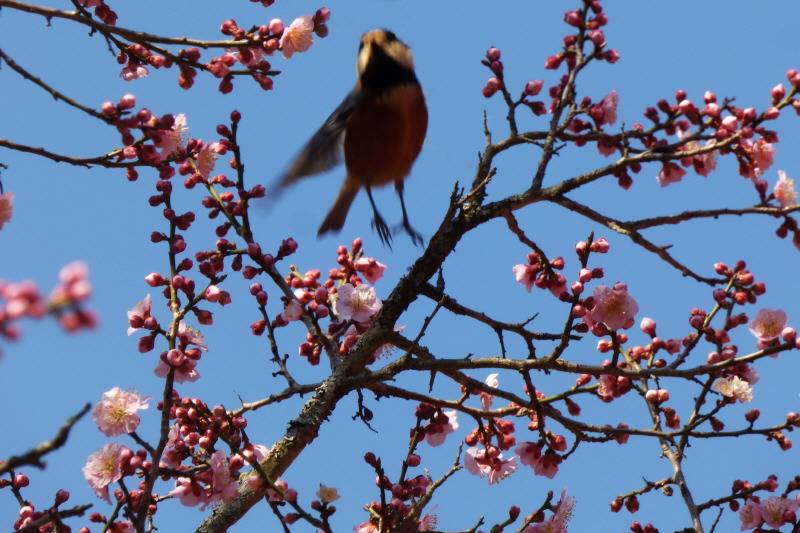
[(379, 128)]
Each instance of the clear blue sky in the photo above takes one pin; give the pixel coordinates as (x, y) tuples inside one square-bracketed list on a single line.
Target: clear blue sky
[(63, 213)]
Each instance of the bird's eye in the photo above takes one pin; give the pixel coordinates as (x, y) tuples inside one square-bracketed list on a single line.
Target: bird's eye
[(390, 36)]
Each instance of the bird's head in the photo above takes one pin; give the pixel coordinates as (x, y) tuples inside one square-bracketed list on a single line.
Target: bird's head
[(380, 45)]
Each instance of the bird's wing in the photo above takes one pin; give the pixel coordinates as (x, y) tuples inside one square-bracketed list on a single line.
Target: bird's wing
[(324, 150)]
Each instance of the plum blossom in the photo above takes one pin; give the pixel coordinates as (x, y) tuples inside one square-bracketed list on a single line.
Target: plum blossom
[(763, 153), (608, 106), (613, 306), (750, 515), (173, 139), (357, 303), (493, 382), (670, 173), (366, 527), (428, 522), (184, 366), (104, 467), (189, 335), (435, 434), (115, 414), (292, 311), (188, 492), (525, 275), (768, 324), (558, 522), (774, 508), (703, 163), (543, 464), (138, 314), (784, 191), (489, 464), (133, 71), (327, 494), (223, 486), (73, 284), (298, 37), (207, 157), (734, 387), (5, 208), (371, 268)]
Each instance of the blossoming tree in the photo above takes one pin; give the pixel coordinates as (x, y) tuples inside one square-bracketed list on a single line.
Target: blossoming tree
[(508, 413)]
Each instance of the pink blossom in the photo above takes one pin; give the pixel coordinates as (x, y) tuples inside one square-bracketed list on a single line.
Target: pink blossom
[(608, 105), (207, 157), (734, 387), (543, 464), (435, 434), (371, 268), (292, 311), (768, 324), (115, 414), (750, 515), (5, 208), (613, 306), (73, 285), (491, 465), (763, 154), (670, 173), (784, 191), (558, 522), (525, 275), (327, 494), (138, 314), (493, 382), (298, 37), (428, 522), (564, 510), (103, 468), (366, 527), (170, 141), (249, 57), (183, 372), (223, 487), (22, 298), (189, 335), (188, 492), (133, 71), (704, 163), (774, 508), (357, 303)]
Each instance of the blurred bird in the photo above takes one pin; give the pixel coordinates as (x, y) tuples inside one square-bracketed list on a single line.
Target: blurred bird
[(382, 124)]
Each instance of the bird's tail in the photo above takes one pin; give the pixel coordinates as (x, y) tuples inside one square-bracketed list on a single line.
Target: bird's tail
[(338, 213)]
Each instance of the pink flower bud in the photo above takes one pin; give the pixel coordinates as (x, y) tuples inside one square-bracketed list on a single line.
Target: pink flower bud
[(275, 26), (729, 123), (492, 86), (127, 101), (772, 113), (648, 326), (493, 54), (533, 87), (573, 18)]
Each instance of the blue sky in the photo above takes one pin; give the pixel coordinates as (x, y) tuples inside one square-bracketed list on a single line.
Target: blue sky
[(64, 213)]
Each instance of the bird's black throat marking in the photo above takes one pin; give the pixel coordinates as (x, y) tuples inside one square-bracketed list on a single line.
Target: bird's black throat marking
[(384, 73)]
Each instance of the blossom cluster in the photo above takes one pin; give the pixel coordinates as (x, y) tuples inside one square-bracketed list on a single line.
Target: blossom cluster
[(66, 302)]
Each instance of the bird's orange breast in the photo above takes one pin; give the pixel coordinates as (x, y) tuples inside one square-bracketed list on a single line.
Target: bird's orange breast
[(384, 135)]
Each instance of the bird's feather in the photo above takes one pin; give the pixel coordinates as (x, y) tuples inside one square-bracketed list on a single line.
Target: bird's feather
[(324, 150)]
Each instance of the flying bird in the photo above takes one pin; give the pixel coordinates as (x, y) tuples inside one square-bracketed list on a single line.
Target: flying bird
[(381, 124)]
